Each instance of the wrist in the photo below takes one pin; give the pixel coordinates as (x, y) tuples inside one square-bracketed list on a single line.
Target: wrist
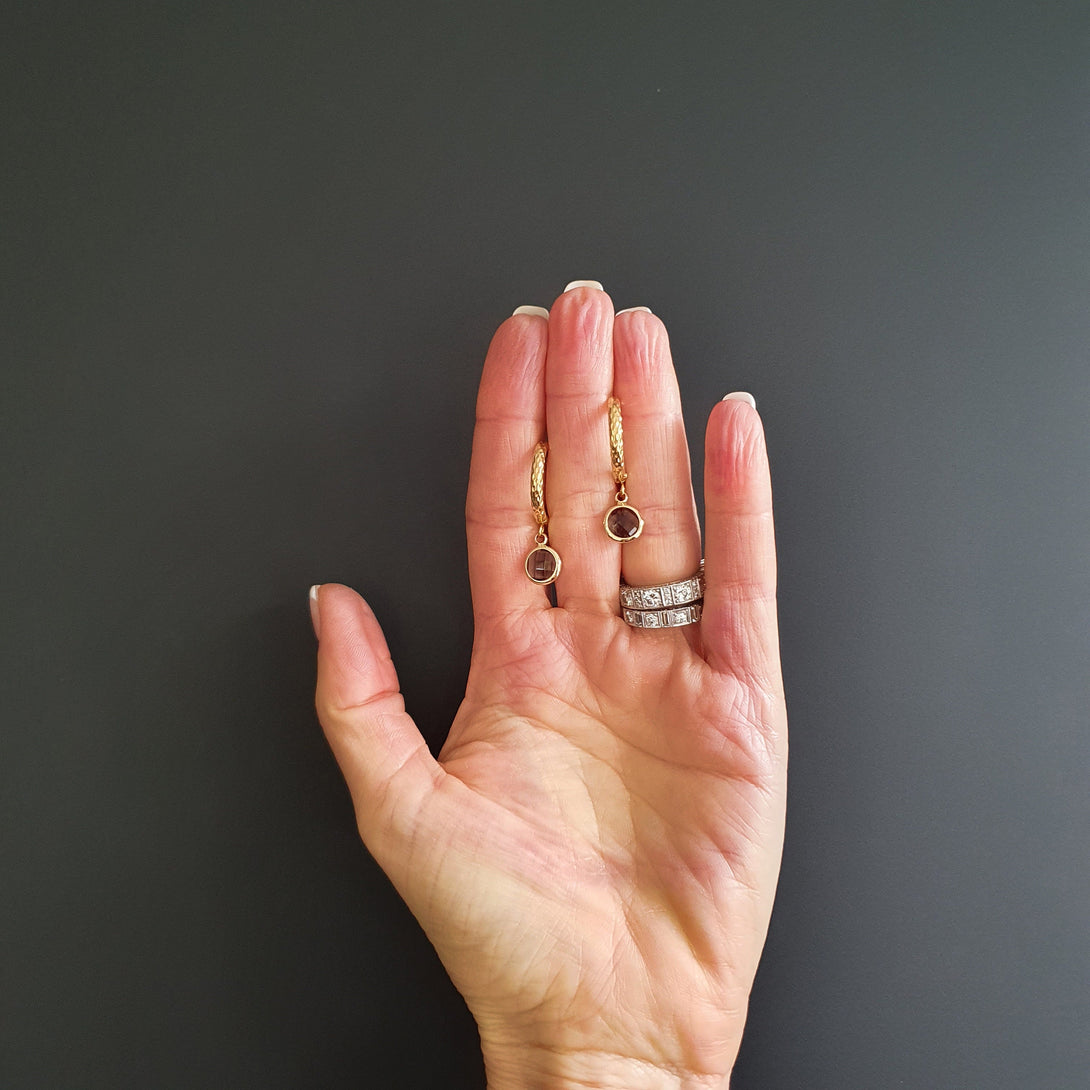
[(540, 1068)]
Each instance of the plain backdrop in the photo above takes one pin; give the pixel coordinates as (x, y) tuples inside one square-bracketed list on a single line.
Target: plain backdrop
[(251, 258)]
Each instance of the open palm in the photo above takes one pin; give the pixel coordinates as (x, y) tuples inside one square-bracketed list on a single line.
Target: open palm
[(594, 854)]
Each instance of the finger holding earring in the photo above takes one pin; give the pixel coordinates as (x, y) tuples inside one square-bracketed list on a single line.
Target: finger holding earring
[(622, 521), (542, 561)]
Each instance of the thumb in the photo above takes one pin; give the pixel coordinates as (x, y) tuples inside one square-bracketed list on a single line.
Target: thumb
[(383, 757)]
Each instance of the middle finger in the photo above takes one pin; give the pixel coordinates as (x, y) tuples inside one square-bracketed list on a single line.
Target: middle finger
[(578, 383)]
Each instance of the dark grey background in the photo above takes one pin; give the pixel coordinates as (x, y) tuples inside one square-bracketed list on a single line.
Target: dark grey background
[(252, 257)]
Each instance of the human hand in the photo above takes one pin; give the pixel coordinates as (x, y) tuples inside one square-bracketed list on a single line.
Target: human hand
[(595, 852)]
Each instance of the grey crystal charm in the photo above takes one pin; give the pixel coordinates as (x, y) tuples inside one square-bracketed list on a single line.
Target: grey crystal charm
[(542, 565), (623, 523)]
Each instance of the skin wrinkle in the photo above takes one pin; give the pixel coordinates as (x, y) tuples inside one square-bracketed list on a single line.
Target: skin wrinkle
[(525, 679), (383, 801), (507, 553), (657, 1065), (592, 798), (744, 656), (515, 439), (586, 331), (748, 747), (661, 519), (587, 500), (507, 517), (543, 879), (747, 665), (345, 713), (599, 762), (648, 421), (504, 423), (718, 858), (658, 530), (664, 507), (486, 621), (644, 343), (664, 449), (740, 592), (514, 726), (586, 405), (651, 806), (746, 525), (578, 534), (385, 787)]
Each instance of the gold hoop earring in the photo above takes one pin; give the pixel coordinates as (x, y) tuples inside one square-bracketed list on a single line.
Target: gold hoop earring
[(622, 521), (542, 562)]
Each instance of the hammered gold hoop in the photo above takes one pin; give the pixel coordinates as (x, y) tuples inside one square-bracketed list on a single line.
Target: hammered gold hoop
[(537, 484), (622, 521), (616, 442), (542, 564)]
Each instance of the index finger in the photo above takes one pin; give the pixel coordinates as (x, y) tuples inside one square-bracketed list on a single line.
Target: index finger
[(500, 525)]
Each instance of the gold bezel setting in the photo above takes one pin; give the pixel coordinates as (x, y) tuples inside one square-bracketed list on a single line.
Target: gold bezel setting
[(614, 510), (530, 560)]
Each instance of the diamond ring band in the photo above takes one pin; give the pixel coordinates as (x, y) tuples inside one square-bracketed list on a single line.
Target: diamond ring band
[(664, 605), (663, 618), (661, 595)]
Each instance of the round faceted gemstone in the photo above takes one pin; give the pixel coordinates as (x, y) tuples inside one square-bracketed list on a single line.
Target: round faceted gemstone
[(623, 523), (543, 565)]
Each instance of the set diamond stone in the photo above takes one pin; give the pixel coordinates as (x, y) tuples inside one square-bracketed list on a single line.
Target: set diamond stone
[(664, 618), (665, 595)]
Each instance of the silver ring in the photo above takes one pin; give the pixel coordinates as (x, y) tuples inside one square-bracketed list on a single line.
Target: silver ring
[(663, 618), (663, 595)]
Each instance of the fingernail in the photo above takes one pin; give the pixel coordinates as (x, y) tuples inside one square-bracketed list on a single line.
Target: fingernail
[(741, 395), (540, 312), (629, 310), (315, 613), (584, 284)]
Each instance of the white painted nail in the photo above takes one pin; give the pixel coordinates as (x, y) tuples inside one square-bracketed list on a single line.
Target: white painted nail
[(741, 395), (629, 310), (584, 284), (540, 312)]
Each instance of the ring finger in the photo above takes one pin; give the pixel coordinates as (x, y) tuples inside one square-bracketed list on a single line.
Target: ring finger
[(656, 453)]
